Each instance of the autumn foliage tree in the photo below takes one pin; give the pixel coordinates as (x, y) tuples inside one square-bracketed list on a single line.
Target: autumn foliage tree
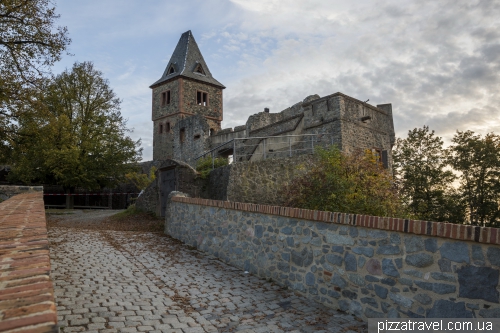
[(334, 181), (73, 134), (30, 42)]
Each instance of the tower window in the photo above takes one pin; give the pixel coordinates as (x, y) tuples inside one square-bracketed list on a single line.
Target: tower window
[(199, 70), (197, 136), (161, 128), (165, 98), (182, 135), (202, 98), (171, 70), (212, 131), (167, 127)]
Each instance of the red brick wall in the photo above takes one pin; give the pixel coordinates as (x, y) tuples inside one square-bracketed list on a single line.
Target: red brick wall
[(26, 292)]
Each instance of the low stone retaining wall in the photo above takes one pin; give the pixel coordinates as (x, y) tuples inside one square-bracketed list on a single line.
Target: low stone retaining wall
[(368, 266), (26, 291), (8, 191)]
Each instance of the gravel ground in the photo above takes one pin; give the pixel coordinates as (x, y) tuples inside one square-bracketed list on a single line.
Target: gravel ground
[(110, 280)]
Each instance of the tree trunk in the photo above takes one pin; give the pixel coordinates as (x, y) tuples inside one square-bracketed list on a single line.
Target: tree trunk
[(70, 199)]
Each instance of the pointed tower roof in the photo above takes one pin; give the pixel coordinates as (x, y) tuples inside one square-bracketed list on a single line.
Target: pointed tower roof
[(187, 61)]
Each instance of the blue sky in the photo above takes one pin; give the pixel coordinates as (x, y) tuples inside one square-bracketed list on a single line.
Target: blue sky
[(436, 61)]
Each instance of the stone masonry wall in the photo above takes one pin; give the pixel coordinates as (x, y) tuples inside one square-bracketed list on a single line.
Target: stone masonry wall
[(255, 182), (368, 266), (26, 290)]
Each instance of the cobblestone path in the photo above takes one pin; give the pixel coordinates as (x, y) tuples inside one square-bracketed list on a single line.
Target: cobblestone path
[(124, 281)]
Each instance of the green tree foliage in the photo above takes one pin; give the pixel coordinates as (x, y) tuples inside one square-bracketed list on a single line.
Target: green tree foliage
[(206, 164), (141, 180), (478, 161), (29, 44), (425, 185), (333, 181), (73, 134)]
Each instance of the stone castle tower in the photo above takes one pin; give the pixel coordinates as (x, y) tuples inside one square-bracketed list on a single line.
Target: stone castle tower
[(185, 89)]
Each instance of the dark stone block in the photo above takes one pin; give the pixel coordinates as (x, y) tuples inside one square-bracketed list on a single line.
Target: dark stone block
[(370, 301), (370, 313), (406, 281), (353, 232), (333, 293), (366, 251), (283, 266), (356, 279), (313, 291), (285, 256), (377, 234), (303, 258), (349, 294), (395, 290), (477, 254), (413, 244), (419, 260), (374, 267), (338, 281), (343, 305), (350, 262), (334, 259), (355, 308), (472, 306), (385, 306), (401, 300), (372, 243), (414, 273), (321, 226), (444, 265), (424, 285), (455, 251), (259, 231), (381, 291), (443, 276), (361, 262), (388, 281), (395, 238), (270, 229), (412, 314), (493, 254), (399, 262), (323, 291), (338, 249), (431, 245), (370, 278), (448, 309), (489, 313), (290, 242), (388, 268), (365, 291), (393, 313), (441, 288), (388, 249), (478, 283), (287, 230)]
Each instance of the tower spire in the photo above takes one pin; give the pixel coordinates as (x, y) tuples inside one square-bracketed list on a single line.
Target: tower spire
[(187, 61)]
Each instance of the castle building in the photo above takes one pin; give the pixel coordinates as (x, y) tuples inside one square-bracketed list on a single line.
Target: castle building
[(187, 113)]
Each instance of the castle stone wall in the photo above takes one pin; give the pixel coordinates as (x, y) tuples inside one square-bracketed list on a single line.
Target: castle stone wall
[(372, 267)]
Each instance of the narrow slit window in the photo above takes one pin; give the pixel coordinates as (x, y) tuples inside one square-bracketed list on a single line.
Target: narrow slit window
[(163, 98), (182, 134), (168, 97), (167, 127), (161, 128), (197, 136)]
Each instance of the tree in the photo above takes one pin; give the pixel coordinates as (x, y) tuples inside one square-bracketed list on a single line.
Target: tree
[(74, 135), (334, 181), (478, 161), (423, 181), (141, 180), (29, 44)]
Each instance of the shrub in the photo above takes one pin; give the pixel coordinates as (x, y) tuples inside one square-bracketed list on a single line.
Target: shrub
[(334, 181), (205, 165)]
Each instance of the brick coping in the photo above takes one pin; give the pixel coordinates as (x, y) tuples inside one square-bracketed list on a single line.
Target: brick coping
[(477, 234), (27, 301)]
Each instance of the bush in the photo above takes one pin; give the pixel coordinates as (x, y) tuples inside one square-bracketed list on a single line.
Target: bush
[(337, 182), (204, 165)]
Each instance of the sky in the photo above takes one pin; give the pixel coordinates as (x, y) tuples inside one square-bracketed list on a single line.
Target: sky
[(437, 62)]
